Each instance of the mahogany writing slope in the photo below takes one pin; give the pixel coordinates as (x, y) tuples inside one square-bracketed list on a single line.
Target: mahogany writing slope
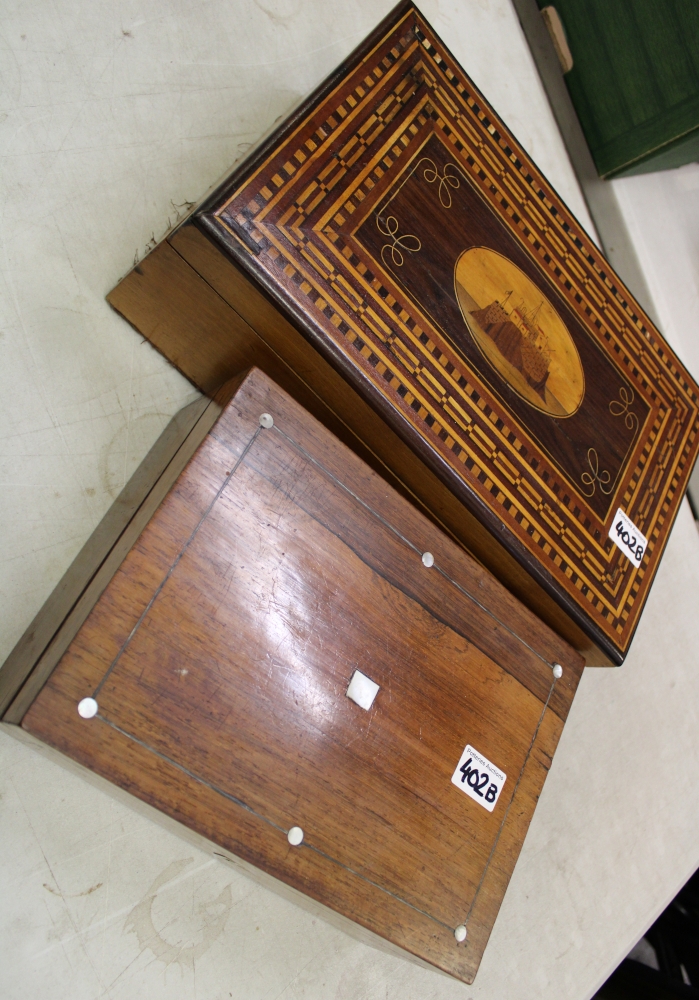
[(295, 663), (393, 258)]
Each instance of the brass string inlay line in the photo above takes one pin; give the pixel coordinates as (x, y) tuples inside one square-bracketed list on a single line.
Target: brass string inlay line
[(172, 568), (265, 819), (509, 804)]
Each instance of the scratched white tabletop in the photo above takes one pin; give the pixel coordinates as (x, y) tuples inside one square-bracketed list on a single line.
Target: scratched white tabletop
[(116, 114)]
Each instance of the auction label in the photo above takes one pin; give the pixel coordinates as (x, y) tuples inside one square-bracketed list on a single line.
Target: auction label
[(480, 779), (628, 538)]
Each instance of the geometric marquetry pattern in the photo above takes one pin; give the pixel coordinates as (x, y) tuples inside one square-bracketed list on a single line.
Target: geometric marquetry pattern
[(301, 208)]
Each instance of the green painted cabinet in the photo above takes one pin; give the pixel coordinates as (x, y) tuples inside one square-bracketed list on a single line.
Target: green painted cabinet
[(635, 80)]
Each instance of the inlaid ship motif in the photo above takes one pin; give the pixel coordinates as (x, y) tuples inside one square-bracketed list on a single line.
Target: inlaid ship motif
[(519, 332), (519, 339)]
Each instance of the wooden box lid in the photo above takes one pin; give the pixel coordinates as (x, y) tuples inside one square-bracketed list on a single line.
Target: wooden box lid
[(400, 226), (220, 655)]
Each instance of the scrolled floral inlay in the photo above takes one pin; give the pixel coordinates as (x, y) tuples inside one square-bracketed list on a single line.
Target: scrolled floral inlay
[(594, 477), (446, 180), (409, 243), (620, 408)]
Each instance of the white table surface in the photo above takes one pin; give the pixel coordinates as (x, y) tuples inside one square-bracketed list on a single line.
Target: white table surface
[(115, 113)]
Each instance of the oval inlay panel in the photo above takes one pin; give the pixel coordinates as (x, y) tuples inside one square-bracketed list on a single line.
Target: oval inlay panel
[(519, 332)]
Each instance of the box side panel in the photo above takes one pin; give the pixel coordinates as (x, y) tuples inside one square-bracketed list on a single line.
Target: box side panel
[(667, 157), (32, 661), (185, 316), (87, 563)]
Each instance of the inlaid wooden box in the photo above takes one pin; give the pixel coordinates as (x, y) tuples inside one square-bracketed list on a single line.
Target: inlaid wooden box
[(393, 258), (213, 660)]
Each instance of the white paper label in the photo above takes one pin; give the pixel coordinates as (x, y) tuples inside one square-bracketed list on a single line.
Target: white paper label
[(480, 779), (628, 538)]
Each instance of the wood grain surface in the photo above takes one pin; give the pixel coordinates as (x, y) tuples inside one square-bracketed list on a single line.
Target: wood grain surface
[(357, 215), (221, 651), (53, 628), (336, 402), (635, 82), (349, 227), (360, 219)]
